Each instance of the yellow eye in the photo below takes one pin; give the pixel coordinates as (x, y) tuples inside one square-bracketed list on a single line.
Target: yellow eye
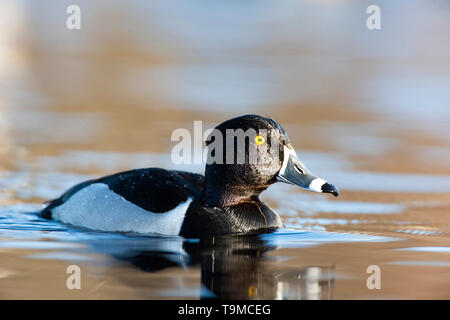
[(259, 140)]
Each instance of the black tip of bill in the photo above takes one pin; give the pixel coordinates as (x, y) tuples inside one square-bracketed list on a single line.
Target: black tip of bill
[(329, 188)]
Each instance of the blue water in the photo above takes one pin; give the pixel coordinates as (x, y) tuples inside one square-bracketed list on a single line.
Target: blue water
[(229, 265)]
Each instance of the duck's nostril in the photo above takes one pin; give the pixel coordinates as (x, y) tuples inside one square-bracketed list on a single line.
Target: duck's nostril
[(297, 167)]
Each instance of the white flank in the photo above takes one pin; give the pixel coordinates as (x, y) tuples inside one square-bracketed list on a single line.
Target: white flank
[(99, 208)]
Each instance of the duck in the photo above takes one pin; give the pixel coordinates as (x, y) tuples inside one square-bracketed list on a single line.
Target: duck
[(225, 200)]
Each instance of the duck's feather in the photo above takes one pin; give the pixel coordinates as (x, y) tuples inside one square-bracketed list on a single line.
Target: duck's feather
[(142, 200)]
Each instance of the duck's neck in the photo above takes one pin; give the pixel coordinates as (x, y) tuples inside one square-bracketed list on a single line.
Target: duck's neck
[(217, 195)]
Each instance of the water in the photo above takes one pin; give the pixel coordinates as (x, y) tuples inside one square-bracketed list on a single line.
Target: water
[(323, 252), (369, 112)]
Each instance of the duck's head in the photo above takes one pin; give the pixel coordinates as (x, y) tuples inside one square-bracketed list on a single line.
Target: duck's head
[(249, 153)]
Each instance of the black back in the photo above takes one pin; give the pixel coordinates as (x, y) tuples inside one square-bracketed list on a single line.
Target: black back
[(156, 190), (153, 189)]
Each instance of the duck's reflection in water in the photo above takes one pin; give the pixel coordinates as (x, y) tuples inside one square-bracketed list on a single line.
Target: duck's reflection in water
[(232, 267), (237, 267)]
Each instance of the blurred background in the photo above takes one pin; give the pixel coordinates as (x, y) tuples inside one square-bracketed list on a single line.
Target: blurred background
[(367, 109), (139, 69)]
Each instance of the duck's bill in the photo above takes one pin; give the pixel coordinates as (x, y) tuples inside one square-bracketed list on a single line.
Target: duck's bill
[(294, 172)]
